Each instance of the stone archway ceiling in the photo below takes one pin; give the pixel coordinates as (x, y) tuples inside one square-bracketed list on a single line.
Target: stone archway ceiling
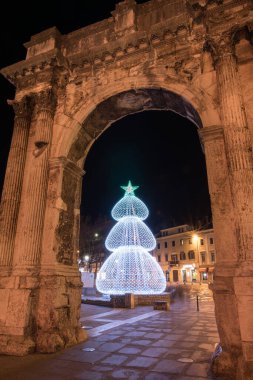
[(127, 103)]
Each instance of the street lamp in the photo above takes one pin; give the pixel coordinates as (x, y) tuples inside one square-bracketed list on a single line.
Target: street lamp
[(86, 261)]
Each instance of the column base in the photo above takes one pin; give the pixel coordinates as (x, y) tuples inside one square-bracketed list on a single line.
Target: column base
[(52, 342), (227, 366), (39, 314), (16, 345)]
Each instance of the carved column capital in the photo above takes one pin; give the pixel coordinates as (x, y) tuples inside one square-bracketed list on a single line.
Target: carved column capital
[(46, 101), (221, 45), (22, 108)]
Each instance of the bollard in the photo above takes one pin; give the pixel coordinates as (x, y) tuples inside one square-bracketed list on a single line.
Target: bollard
[(197, 302)]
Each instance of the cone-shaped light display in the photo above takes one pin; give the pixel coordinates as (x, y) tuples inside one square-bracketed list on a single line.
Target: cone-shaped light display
[(130, 268)]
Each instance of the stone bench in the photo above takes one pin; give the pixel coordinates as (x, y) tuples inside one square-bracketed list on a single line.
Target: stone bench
[(161, 305)]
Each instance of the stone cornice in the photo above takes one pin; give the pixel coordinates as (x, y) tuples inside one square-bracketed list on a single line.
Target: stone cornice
[(185, 30), (44, 35), (32, 66)]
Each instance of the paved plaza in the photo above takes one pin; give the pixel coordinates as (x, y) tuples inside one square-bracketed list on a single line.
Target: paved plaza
[(141, 343)]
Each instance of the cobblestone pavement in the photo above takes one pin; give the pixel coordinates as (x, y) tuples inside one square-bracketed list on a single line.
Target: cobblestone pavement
[(132, 344)]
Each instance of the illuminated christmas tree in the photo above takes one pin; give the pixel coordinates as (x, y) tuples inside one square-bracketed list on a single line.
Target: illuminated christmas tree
[(130, 268)]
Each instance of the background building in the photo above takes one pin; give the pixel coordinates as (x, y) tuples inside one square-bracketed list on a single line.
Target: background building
[(186, 255)]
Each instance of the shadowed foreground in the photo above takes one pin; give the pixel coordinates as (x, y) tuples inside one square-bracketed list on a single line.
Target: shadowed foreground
[(132, 344)]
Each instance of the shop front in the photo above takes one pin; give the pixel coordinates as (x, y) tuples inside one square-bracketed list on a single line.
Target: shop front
[(189, 273)]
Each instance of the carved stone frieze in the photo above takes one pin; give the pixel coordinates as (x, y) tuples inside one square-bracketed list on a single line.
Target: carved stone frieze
[(68, 218), (46, 101)]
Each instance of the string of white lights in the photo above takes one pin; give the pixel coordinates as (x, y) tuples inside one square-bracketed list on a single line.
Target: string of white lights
[(130, 268), (130, 230), (130, 205)]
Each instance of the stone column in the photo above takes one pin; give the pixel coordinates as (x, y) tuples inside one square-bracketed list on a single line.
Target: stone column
[(238, 144), (238, 148), (13, 181), (225, 243), (19, 299), (31, 218)]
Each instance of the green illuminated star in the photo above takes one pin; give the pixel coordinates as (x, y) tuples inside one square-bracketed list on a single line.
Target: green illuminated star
[(129, 189)]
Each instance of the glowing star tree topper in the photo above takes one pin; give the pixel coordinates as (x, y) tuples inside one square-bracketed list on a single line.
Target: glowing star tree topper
[(130, 268)]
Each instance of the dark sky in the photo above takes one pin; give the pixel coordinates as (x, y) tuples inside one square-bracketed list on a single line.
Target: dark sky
[(159, 151)]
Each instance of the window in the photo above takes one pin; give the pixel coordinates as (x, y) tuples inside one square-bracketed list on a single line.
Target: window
[(212, 256), (190, 241), (181, 241), (158, 245), (182, 256), (191, 255), (166, 258), (165, 244), (159, 258), (174, 257), (211, 240), (173, 243), (203, 257), (201, 241)]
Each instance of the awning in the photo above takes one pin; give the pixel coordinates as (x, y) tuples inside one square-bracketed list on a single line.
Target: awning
[(210, 269), (202, 269)]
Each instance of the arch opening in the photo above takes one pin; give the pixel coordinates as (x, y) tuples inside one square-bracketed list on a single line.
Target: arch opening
[(123, 104)]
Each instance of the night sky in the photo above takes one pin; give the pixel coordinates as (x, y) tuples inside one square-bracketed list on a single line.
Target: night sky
[(159, 151)]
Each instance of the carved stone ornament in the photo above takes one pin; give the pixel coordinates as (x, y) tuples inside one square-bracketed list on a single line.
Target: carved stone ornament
[(22, 108), (220, 45), (46, 101)]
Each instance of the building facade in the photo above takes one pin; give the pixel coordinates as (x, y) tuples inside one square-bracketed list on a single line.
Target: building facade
[(186, 255)]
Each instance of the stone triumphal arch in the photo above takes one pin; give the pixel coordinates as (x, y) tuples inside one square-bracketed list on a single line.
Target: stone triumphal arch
[(192, 57)]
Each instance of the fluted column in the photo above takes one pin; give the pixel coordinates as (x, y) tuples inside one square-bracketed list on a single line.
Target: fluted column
[(28, 243), (13, 180), (235, 285), (238, 144), (225, 238)]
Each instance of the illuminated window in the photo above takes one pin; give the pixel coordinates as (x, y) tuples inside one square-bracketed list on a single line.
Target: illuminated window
[(182, 256), (181, 241), (191, 255)]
